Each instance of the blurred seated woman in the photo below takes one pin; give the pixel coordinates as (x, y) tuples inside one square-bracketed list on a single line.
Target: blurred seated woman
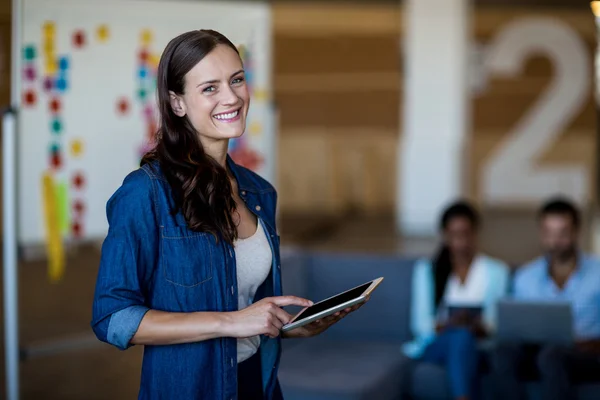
[(453, 301)]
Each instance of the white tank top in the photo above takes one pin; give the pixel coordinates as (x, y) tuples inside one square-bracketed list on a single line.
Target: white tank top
[(253, 263)]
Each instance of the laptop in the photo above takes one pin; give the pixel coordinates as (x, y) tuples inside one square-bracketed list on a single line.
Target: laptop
[(535, 322)]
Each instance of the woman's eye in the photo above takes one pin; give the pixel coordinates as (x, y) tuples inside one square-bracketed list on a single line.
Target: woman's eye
[(209, 89), (237, 80)]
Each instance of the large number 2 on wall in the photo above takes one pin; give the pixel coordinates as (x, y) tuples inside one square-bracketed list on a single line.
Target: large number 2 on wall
[(511, 175)]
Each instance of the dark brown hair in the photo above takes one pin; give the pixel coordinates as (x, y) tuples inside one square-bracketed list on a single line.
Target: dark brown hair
[(442, 262), (201, 186), (560, 206)]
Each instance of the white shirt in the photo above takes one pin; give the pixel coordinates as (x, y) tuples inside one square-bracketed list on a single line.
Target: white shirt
[(253, 264), (472, 291)]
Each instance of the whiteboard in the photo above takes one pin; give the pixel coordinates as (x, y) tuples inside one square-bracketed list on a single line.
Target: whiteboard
[(88, 100)]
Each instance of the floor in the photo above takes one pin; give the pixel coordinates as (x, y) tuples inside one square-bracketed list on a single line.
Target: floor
[(55, 315)]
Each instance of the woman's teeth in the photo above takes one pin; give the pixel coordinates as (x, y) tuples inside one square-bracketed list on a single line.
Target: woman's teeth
[(227, 116)]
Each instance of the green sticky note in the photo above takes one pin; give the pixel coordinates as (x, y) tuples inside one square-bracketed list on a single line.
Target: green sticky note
[(56, 125), (62, 203), (29, 52), (54, 148), (142, 94)]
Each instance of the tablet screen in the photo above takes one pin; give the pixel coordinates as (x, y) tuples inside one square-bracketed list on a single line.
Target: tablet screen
[(332, 302)]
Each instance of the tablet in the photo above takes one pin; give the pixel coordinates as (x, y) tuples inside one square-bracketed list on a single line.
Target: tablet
[(332, 305)]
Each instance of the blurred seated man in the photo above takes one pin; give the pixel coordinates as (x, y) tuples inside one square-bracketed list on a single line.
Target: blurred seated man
[(562, 273)]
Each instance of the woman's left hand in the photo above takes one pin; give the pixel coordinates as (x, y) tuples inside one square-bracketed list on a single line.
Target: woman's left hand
[(321, 325)]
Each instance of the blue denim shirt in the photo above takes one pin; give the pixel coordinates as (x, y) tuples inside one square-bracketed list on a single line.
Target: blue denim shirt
[(151, 260)]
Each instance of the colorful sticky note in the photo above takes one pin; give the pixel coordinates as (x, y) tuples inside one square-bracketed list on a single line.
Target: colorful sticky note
[(78, 180), (29, 53), (79, 39), (51, 67), (49, 29), (54, 105), (49, 48), (76, 229), (148, 112), (29, 98), (102, 33), (146, 37), (261, 95), (255, 128), (62, 199), (154, 60), (48, 84), (78, 207), (54, 148), (61, 84), (56, 125), (63, 63), (122, 106), (55, 160), (29, 72), (142, 94), (76, 147), (144, 55), (54, 243)]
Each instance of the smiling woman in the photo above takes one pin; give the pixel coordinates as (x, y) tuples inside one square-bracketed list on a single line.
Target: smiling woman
[(190, 267)]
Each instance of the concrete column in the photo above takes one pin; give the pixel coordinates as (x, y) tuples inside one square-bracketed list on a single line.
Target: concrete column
[(432, 156)]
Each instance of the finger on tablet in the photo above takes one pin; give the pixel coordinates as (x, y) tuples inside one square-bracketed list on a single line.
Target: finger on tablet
[(282, 301)]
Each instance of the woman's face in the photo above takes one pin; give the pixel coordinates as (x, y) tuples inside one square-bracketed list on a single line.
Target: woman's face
[(216, 97), (461, 237)]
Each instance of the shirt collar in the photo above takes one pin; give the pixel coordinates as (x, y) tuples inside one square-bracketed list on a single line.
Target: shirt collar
[(245, 183), (579, 265)]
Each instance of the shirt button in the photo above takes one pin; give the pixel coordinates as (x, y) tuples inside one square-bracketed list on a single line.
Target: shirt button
[(278, 266), (243, 192), (232, 290), (257, 208)]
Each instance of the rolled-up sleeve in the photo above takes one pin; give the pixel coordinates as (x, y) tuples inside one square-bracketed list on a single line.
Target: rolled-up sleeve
[(129, 254)]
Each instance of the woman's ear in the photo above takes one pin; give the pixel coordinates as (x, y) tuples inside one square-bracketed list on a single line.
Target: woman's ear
[(177, 104)]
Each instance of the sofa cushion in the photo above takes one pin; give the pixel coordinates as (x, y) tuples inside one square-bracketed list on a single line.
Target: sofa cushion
[(386, 316), (587, 391), (428, 382), (322, 369)]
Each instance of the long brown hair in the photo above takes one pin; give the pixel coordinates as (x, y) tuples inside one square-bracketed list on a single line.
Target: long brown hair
[(201, 186)]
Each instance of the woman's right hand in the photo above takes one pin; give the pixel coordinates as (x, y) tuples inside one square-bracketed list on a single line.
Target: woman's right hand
[(265, 317)]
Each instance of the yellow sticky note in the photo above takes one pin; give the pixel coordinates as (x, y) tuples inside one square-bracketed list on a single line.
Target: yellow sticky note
[(76, 147), (49, 49), (255, 129), (261, 95), (54, 243), (146, 36), (49, 29), (103, 33), (154, 60), (51, 66)]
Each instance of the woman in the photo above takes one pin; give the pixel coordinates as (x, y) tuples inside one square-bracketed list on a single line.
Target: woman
[(453, 301), (190, 266)]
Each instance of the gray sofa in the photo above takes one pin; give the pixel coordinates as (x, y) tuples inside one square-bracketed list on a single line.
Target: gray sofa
[(361, 357)]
